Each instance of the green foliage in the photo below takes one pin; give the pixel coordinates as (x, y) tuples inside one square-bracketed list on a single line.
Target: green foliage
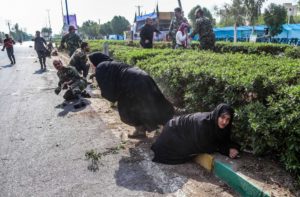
[(220, 47), (46, 30), (236, 11), (18, 34), (293, 52), (263, 89), (119, 24), (90, 29), (105, 29), (275, 17), (251, 48), (253, 9)]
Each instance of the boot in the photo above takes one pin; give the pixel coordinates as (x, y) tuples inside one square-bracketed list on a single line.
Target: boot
[(140, 132)]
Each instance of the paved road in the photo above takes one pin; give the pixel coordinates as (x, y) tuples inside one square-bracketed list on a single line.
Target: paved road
[(42, 147)]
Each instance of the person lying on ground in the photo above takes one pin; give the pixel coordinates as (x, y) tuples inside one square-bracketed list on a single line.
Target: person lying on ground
[(140, 102), (185, 136), (69, 79)]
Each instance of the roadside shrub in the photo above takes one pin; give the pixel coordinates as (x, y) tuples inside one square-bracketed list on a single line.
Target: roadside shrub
[(264, 90), (293, 52)]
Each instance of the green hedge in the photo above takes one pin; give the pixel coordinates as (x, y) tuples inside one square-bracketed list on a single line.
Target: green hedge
[(264, 90), (220, 47)]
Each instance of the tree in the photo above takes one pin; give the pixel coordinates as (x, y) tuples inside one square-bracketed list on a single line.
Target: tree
[(46, 32), (206, 13), (105, 29), (235, 12), (90, 29), (252, 8), (119, 24), (274, 18)]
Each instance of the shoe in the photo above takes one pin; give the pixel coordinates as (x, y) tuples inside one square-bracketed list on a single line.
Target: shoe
[(139, 132), (84, 94)]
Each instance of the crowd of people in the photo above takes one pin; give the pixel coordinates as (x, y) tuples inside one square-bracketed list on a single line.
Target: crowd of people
[(179, 31), (140, 102)]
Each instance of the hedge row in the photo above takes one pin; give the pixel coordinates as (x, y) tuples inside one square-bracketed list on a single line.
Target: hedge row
[(264, 90), (220, 47)]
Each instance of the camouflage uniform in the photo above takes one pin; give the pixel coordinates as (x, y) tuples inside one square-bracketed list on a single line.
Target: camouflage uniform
[(79, 61), (204, 28), (175, 23), (66, 74), (73, 42)]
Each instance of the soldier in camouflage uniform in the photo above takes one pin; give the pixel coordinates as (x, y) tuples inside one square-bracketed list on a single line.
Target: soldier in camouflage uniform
[(72, 40), (175, 23), (69, 79), (203, 27), (79, 59)]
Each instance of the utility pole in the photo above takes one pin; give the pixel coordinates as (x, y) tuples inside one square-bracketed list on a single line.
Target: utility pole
[(139, 9), (49, 18), (8, 24), (67, 11)]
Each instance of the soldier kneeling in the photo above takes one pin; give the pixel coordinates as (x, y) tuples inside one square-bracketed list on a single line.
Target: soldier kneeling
[(70, 79)]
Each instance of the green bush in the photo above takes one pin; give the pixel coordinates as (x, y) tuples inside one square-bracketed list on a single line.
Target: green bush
[(293, 52), (264, 90), (251, 48), (220, 47)]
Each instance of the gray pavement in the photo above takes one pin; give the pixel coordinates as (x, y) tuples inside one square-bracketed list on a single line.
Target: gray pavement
[(42, 147)]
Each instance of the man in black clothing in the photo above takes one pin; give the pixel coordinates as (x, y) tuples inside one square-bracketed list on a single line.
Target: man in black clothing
[(40, 47), (146, 34)]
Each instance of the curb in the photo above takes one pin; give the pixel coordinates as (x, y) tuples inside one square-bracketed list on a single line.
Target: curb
[(236, 180)]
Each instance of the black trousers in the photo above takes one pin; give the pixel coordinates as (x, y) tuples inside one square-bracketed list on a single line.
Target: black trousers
[(42, 58), (10, 54)]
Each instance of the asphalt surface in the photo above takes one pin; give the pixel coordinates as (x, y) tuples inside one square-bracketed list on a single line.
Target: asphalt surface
[(43, 146)]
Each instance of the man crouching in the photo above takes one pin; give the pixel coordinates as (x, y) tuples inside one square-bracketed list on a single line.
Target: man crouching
[(71, 80)]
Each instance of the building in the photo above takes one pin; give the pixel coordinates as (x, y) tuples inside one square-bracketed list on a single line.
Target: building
[(161, 20), (291, 9)]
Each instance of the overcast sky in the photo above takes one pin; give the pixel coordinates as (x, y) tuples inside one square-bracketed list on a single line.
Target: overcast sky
[(32, 15)]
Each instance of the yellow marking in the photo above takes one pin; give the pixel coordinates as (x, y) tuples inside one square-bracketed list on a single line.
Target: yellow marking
[(206, 161)]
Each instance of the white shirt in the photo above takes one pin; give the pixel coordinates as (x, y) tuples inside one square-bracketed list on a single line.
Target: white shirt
[(181, 38)]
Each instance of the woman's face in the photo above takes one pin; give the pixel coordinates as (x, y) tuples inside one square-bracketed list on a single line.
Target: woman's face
[(223, 120)]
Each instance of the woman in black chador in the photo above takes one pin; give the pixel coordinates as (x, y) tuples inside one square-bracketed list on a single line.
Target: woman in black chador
[(186, 136), (140, 102)]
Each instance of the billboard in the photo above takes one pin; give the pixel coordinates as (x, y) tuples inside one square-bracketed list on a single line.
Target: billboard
[(72, 20)]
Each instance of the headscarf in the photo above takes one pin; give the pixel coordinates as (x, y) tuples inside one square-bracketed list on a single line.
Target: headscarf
[(221, 109), (97, 57), (181, 28)]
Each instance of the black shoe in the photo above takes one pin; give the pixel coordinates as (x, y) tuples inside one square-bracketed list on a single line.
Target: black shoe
[(84, 94), (11, 63)]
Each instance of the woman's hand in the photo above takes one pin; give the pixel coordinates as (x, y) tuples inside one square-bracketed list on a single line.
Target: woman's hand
[(233, 153)]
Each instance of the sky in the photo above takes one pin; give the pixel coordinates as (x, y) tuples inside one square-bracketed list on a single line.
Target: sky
[(32, 15)]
